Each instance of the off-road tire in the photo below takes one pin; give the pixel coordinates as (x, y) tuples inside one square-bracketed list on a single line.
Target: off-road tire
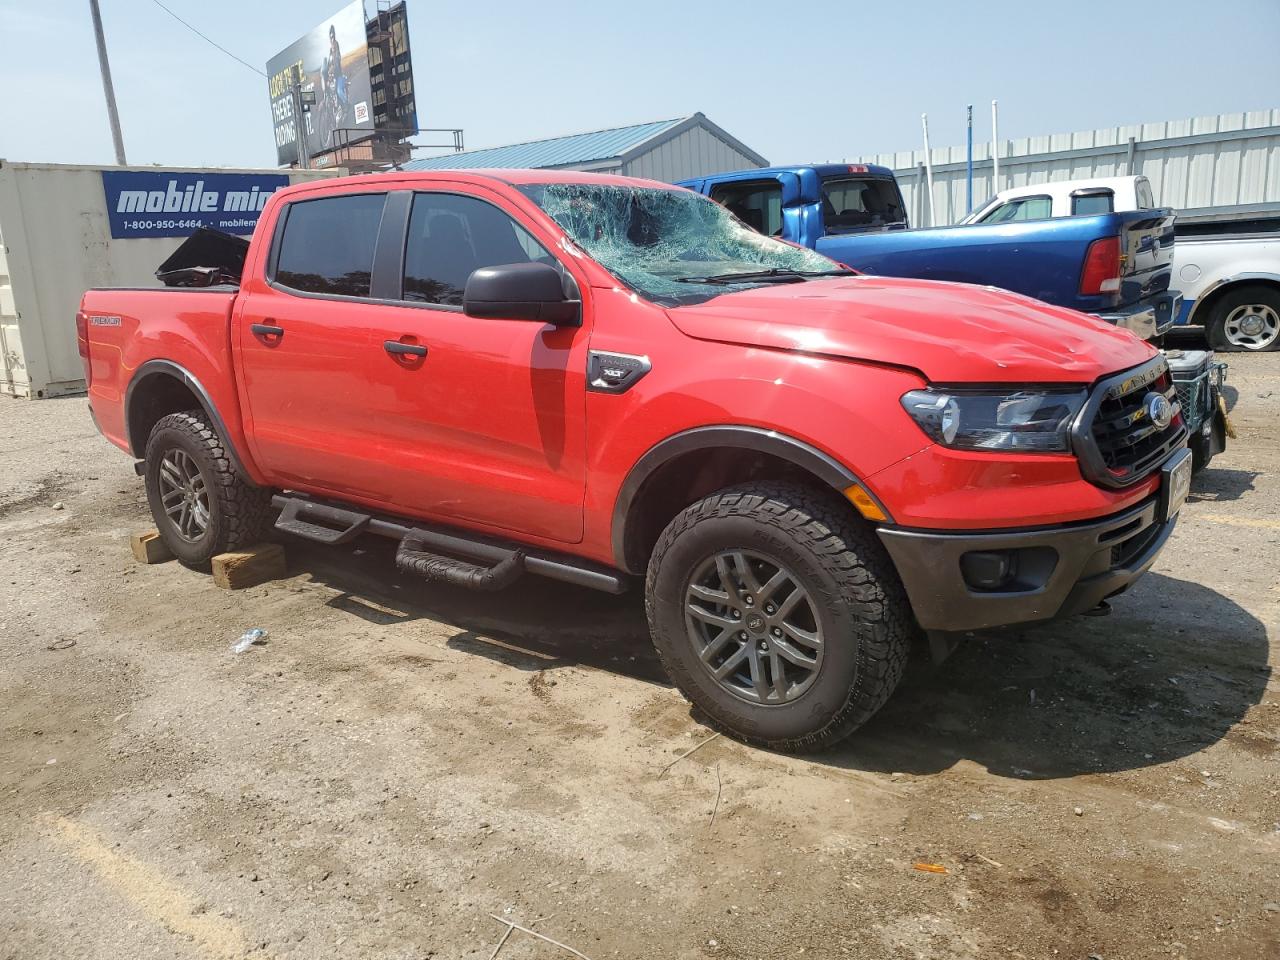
[(1215, 329), (865, 616), (240, 513)]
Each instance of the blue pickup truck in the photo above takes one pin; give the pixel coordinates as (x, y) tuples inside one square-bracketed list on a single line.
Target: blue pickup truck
[(1115, 265)]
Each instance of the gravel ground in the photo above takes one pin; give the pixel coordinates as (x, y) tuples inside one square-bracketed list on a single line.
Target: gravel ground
[(397, 764)]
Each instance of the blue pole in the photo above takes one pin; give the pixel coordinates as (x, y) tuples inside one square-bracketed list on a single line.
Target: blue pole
[(968, 193)]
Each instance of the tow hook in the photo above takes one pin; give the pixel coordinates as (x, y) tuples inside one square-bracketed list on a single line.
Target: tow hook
[(1103, 609)]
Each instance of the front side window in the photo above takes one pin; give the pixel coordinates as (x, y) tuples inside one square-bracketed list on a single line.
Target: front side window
[(327, 245), (672, 246), (855, 203), (1028, 208), (757, 204), (450, 236)]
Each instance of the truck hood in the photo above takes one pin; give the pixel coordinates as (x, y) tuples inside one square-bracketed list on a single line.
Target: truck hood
[(950, 332)]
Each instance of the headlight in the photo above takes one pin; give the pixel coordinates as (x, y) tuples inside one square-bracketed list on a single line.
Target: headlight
[(1031, 420)]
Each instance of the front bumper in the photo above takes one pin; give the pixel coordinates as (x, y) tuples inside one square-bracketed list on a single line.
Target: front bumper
[(1148, 318), (1062, 570)]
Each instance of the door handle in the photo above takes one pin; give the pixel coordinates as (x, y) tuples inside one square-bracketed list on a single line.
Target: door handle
[(266, 330), (404, 349)]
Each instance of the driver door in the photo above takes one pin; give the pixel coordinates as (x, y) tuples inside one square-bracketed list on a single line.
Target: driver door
[(485, 424)]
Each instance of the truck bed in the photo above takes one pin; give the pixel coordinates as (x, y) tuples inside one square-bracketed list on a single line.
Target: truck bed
[(1039, 258), (128, 326)]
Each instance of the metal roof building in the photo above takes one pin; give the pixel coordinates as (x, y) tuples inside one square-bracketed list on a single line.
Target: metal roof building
[(667, 150)]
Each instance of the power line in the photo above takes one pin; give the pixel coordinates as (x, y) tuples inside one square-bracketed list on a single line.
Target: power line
[(206, 39)]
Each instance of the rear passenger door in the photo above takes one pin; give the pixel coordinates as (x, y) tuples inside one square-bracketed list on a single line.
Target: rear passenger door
[(487, 427), (305, 356)]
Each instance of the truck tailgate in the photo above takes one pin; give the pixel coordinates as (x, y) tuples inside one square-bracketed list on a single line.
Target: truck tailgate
[(1146, 246)]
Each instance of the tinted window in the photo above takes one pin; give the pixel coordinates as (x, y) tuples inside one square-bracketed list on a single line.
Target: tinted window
[(450, 236), (854, 203), (1028, 208), (1145, 199), (1101, 201), (758, 205), (328, 244)]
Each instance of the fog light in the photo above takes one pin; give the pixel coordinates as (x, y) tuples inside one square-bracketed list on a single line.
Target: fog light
[(989, 570)]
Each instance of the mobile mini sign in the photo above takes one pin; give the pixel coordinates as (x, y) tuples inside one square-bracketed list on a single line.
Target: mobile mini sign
[(141, 203)]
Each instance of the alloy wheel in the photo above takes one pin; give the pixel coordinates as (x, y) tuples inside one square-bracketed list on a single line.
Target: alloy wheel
[(754, 627), (184, 495), (1253, 326)]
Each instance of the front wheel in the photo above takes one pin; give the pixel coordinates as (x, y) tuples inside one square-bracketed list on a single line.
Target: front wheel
[(778, 614), (1246, 319), (201, 504)]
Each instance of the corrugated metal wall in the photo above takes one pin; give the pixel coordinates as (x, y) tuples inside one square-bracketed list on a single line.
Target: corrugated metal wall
[(1206, 166), (696, 152)]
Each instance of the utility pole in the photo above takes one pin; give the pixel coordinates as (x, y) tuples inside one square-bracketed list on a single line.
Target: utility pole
[(968, 193), (107, 89)]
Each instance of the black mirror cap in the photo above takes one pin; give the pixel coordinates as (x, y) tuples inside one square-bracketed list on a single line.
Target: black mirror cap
[(521, 291)]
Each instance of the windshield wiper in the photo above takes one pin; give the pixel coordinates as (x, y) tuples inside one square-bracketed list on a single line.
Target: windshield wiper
[(779, 274)]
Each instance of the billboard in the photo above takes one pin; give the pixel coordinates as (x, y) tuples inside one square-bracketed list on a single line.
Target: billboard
[(331, 67), (142, 203), (391, 70)]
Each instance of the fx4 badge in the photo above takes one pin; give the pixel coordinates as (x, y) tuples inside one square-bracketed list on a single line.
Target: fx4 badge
[(614, 372)]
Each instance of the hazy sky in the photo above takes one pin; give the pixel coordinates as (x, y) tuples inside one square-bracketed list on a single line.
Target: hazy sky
[(796, 82)]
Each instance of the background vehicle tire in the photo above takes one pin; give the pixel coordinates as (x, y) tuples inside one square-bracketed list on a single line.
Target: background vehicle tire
[(739, 588), (202, 506), (1246, 319)]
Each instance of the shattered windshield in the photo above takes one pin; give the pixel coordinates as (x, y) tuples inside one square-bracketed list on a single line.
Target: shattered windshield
[(672, 246)]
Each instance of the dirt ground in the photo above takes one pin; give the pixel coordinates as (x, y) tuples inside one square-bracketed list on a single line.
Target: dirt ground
[(398, 764)]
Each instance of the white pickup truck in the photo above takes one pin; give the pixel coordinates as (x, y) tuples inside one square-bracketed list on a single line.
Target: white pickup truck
[(1228, 272)]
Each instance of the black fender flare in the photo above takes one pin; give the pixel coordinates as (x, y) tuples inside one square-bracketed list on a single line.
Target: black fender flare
[(138, 446), (803, 455)]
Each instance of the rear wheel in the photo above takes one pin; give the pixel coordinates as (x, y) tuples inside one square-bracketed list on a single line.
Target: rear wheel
[(778, 614), (201, 504), (1246, 319)]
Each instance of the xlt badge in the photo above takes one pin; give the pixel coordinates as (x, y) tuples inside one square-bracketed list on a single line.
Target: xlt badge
[(614, 372)]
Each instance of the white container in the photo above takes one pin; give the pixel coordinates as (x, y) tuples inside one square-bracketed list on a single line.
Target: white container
[(56, 242)]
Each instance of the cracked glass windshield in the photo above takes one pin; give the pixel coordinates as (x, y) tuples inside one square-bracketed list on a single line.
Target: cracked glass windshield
[(673, 246)]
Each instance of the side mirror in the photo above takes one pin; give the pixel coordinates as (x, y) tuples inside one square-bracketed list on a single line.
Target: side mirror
[(521, 291)]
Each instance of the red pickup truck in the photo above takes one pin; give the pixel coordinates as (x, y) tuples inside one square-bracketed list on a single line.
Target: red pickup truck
[(594, 378)]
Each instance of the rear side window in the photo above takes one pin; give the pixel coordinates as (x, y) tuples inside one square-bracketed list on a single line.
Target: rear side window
[(857, 203), (450, 236), (757, 204), (1093, 202), (1028, 208), (1146, 200), (328, 244)]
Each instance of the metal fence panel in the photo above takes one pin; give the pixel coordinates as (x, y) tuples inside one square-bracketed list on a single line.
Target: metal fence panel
[(1226, 165)]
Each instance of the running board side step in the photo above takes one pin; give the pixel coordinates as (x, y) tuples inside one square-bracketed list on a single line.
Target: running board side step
[(411, 558), (434, 553), (347, 524)]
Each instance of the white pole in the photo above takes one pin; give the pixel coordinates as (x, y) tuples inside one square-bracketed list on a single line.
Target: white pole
[(928, 164), (995, 149)]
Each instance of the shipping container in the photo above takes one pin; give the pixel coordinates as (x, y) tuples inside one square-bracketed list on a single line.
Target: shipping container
[(65, 228)]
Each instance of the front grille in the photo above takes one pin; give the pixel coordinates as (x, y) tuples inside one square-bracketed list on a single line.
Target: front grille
[(1117, 441)]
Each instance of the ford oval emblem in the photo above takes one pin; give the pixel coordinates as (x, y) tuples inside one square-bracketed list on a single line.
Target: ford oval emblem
[(1159, 409)]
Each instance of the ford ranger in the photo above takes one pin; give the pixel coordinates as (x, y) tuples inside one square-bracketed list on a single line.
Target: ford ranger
[(594, 378), (1117, 266)]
